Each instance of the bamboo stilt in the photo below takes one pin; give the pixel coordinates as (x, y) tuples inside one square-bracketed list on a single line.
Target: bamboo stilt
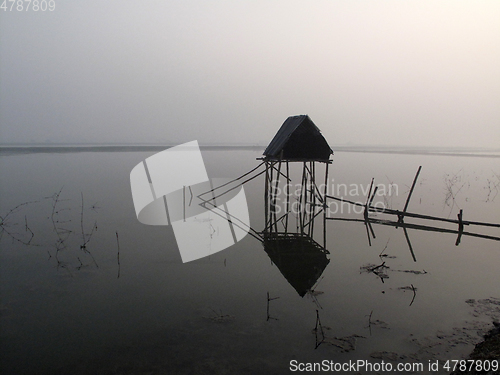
[(325, 206), (410, 193), (287, 196)]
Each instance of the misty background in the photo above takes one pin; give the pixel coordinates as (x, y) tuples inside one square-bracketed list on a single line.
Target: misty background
[(397, 73)]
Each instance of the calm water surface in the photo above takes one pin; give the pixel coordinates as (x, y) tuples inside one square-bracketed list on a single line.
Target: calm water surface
[(131, 306)]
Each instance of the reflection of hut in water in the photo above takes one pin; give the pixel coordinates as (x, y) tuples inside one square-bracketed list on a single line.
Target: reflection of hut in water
[(299, 258), (293, 249)]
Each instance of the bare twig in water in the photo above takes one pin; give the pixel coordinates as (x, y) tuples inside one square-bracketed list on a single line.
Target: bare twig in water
[(413, 289), (220, 318), (5, 223), (380, 270), (19, 229), (388, 198), (414, 294), (493, 187), (379, 323), (94, 207), (370, 322), (118, 254), (314, 295), (61, 233), (269, 299), (86, 237), (382, 255), (317, 283), (27, 229), (81, 264), (453, 186), (415, 272), (318, 330)]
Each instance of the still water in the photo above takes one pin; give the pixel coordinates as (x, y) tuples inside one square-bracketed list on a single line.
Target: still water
[(86, 288)]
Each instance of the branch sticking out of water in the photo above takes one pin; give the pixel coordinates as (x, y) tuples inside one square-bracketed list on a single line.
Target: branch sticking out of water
[(269, 299), (118, 254), (85, 237), (16, 237), (318, 330)]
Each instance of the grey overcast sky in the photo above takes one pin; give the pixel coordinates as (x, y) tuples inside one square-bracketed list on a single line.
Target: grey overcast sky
[(393, 72)]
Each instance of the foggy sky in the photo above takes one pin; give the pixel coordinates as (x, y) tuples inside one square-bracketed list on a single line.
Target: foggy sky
[(421, 73)]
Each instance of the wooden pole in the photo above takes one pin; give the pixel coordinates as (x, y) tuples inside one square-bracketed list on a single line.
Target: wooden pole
[(410, 193), (417, 227), (312, 206), (365, 215), (325, 207), (287, 195), (301, 220), (460, 228), (236, 179), (373, 196), (276, 194), (275, 189), (365, 212)]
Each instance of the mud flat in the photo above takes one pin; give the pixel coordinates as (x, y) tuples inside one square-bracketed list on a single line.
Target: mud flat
[(487, 350)]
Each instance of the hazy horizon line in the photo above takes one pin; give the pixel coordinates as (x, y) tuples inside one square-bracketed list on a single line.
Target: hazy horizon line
[(13, 149), (339, 146)]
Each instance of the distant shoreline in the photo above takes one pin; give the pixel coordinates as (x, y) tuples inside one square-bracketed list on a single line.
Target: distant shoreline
[(421, 151), (114, 148), (33, 149)]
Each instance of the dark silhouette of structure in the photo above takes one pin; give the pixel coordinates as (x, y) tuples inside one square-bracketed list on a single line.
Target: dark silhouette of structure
[(292, 248)]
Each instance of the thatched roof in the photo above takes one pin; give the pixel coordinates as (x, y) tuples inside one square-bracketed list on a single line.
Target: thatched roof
[(298, 139)]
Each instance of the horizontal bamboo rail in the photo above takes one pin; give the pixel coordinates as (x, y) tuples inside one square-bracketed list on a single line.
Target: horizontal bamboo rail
[(402, 214)]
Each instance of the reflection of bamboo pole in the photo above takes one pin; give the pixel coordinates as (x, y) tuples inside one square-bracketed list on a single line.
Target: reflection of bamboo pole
[(271, 178), (312, 209), (233, 219), (310, 199), (368, 233), (266, 196), (409, 244), (369, 229)]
